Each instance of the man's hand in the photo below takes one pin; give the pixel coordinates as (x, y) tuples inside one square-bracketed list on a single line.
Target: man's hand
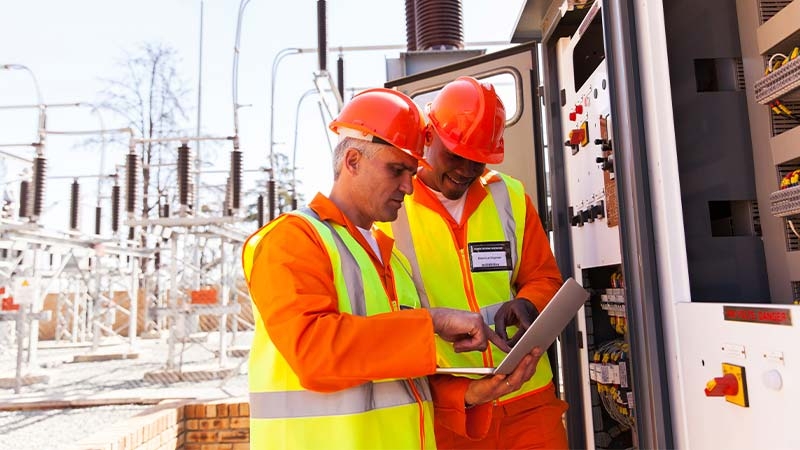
[(518, 312), (491, 388), (466, 330)]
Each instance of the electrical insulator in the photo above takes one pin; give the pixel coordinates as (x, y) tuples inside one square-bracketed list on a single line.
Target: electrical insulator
[(439, 25), (115, 199), (226, 207), (271, 194), (39, 172), (411, 26), (98, 213), (131, 179), (340, 77), (236, 179), (184, 175), (260, 210), (74, 199), (190, 205), (24, 189), (163, 206), (322, 35)]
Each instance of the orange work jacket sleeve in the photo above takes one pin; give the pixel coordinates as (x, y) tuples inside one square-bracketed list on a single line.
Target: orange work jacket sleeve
[(450, 412), (292, 288), (538, 278)]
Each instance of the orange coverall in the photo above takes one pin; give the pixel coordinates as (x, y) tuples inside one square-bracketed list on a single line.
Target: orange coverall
[(534, 420), (292, 287)]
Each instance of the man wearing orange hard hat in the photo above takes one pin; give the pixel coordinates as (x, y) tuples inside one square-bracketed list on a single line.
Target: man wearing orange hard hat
[(341, 346), (460, 209)]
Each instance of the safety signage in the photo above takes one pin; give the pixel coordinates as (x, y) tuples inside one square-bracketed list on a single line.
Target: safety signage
[(24, 292)]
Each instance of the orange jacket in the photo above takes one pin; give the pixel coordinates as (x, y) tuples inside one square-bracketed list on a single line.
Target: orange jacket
[(292, 286)]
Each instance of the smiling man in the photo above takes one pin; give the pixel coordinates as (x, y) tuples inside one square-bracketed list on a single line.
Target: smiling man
[(475, 242)]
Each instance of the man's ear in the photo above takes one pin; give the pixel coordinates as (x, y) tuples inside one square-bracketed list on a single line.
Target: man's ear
[(428, 135), (351, 159)]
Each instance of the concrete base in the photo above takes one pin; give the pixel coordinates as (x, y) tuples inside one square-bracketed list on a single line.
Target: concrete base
[(235, 352), (104, 342), (93, 357), (175, 376), (23, 405), (25, 380)]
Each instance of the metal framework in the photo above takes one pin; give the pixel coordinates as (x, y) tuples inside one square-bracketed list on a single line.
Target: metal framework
[(191, 298)]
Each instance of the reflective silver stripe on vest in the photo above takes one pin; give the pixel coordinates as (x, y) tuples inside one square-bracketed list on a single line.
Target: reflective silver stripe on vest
[(359, 399), (423, 388), (502, 201), (351, 271), (405, 244)]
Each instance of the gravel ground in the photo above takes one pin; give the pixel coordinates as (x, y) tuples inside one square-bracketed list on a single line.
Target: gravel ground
[(106, 386), (55, 429)]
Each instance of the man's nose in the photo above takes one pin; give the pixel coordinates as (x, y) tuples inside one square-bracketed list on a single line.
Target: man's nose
[(407, 184)]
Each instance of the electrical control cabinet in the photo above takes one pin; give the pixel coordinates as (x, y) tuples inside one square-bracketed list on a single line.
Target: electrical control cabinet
[(659, 141), (734, 87), (593, 216)]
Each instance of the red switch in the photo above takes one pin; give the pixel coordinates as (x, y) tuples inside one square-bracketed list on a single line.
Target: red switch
[(572, 116), (579, 109), (722, 386), (577, 136)]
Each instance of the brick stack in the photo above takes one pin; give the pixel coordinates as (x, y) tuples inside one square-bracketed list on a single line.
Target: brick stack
[(217, 426), (179, 425)]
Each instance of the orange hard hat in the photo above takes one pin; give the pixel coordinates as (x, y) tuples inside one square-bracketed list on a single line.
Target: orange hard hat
[(470, 118), (385, 116)]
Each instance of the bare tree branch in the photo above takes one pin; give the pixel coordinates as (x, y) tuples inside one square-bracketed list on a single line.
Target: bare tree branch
[(150, 97)]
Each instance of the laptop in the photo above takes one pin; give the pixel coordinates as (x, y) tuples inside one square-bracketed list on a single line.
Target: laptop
[(542, 332)]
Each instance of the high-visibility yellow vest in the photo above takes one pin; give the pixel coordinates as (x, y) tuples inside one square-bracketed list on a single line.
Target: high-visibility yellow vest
[(443, 274), (386, 414)]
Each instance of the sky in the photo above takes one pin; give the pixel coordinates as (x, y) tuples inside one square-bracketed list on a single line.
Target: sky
[(70, 47)]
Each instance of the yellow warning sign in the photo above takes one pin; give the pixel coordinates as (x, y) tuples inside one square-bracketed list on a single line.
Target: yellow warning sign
[(24, 292)]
